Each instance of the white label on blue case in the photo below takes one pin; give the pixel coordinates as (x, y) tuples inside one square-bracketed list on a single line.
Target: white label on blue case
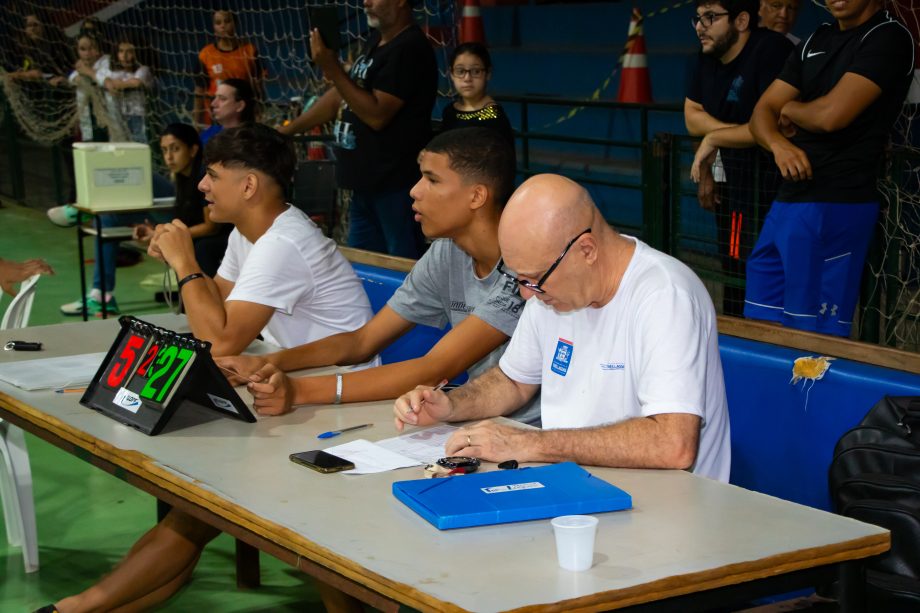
[(501, 489)]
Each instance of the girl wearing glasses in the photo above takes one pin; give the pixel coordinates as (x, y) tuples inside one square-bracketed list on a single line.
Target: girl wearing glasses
[(470, 71)]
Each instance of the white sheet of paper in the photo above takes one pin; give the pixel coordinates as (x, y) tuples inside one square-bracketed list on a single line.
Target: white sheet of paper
[(370, 458), (426, 445), (51, 373)]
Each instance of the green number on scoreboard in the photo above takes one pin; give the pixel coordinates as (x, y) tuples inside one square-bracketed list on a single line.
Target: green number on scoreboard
[(182, 358), (170, 362)]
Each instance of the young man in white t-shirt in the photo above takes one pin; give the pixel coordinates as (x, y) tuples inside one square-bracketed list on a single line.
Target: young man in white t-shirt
[(280, 276), (619, 338)]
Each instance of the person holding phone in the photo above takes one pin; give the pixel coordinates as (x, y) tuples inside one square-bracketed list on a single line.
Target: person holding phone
[(382, 111)]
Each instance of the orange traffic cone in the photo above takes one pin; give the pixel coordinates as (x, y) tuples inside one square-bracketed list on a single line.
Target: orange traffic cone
[(471, 29), (635, 82), (315, 150)]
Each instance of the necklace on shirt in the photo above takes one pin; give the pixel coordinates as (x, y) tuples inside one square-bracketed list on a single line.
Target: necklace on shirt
[(483, 114)]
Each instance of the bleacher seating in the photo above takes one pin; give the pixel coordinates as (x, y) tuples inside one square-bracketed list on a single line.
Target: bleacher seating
[(783, 435), (380, 283)]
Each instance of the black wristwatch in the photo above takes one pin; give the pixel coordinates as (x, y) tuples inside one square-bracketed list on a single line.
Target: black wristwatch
[(460, 463)]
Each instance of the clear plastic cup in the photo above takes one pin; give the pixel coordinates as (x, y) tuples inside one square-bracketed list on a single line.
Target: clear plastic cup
[(575, 541)]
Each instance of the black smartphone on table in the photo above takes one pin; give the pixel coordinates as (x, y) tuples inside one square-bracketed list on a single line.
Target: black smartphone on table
[(321, 461), (326, 20)]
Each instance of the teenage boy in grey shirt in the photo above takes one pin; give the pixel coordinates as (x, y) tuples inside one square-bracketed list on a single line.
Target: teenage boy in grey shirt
[(443, 288), (467, 176)]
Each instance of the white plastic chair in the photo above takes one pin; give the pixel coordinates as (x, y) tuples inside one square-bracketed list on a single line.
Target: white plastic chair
[(17, 314), (16, 473)]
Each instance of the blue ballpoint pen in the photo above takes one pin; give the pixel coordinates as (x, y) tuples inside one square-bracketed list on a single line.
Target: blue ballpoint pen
[(332, 433)]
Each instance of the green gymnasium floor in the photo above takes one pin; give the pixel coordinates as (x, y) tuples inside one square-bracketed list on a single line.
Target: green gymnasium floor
[(86, 518)]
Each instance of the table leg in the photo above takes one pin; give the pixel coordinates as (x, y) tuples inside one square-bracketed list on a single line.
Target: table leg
[(247, 566), (101, 263), (162, 509), (248, 573), (82, 258), (852, 587)]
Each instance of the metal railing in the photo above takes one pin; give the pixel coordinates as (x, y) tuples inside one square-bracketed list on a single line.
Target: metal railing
[(650, 179)]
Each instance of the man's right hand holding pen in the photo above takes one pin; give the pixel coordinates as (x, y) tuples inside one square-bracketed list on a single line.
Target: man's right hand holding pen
[(423, 406)]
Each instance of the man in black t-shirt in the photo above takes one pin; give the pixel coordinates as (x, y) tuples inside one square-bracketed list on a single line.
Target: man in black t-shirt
[(736, 63), (826, 119), (382, 110)]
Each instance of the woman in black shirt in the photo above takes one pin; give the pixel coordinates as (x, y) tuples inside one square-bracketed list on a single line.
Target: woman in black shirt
[(182, 152)]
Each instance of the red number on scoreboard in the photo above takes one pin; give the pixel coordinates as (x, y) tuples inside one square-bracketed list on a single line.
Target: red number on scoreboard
[(151, 354), (122, 364)]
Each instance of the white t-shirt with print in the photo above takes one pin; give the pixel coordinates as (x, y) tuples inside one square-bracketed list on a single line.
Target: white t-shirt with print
[(652, 349), (301, 274)]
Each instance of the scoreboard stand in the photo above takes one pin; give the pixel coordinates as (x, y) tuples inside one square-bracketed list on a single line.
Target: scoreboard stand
[(151, 373)]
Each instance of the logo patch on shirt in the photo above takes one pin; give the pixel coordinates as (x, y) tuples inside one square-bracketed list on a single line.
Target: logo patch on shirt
[(562, 356), (613, 366), (734, 93)]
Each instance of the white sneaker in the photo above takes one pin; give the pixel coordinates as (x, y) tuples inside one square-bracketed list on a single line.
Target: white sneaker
[(93, 307), (64, 216)]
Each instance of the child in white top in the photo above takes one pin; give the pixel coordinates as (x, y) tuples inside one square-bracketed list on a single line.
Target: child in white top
[(126, 84), (90, 61)]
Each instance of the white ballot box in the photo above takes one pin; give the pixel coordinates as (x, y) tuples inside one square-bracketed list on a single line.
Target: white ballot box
[(112, 176)]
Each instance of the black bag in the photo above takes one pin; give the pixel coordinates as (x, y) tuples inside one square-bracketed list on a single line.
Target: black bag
[(875, 477)]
